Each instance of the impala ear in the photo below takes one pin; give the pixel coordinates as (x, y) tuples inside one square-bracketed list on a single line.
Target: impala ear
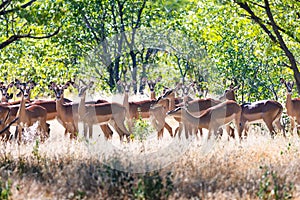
[(19, 94), (83, 82), (91, 84), (32, 84), (119, 82), (158, 79), (236, 87), (282, 80), (17, 83), (10, 96), (10, 85), (52, 85)]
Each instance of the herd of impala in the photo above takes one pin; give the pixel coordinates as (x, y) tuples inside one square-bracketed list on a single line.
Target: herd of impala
[(192, 114)]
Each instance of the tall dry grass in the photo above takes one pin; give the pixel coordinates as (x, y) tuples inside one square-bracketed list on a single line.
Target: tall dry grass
[(168, 169)]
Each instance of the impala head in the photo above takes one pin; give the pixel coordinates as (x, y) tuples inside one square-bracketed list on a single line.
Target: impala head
[(126, 86), (82, 90), (5, 95), (186, 89), (289, 85), (152, 83), (58, 89), (24, 88), (229, 94)]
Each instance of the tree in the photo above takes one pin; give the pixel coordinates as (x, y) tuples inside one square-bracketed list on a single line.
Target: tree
[(280, 21), (20, 19)]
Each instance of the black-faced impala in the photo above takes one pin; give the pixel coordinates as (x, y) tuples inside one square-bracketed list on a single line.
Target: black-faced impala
[(268, 111), (67, 114), (146, 109), (292, 105), (212, 118), (29, 115), (82, 112), (195, 107)]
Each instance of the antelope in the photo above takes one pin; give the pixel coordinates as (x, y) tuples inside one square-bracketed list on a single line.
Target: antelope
[(196, 107), (145, 109), (5, 133), (268, 111), (212, 118), (12, 106), (29, 115), (4, 115), (292, 105), (152, 84), (67, 114), (82, 111)]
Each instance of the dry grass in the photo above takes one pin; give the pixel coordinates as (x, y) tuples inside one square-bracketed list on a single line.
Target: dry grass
[(173, 169)]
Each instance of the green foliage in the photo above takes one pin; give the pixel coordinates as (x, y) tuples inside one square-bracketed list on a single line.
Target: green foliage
[(35, 151), (272, 186), (213, 42), (141, 129), (152, 186), (5, 189), (149, 185)]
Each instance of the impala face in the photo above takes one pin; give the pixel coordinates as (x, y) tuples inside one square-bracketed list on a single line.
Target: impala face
[(289, 86), (151, 85), (25, 88)]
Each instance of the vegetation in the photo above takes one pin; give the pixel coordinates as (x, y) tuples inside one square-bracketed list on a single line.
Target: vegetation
[(213, 42)]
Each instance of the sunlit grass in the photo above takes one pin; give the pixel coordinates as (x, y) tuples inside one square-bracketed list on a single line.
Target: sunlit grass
[(60, 168)]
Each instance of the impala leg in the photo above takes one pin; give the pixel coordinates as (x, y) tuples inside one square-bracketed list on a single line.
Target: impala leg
[(292, 120), (85, 129), (270, 127), (106, 131), (121, 129), (176, 131), (91, 131), (19, 133), (186, 130), (169, 128), (279, 126)]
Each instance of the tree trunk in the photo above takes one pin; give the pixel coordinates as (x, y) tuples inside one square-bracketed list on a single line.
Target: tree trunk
[(134, 70)]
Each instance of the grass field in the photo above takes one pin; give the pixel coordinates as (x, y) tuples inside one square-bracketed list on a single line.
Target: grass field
[(259, 167)]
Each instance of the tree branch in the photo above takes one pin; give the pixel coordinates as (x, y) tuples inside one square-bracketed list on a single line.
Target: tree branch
[(246, 7), (14, 38), (88, 24), (3, 12), (4, 4)]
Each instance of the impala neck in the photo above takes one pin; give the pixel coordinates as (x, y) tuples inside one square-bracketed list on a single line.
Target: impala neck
[(81, 108), (126, 101), (22, 109), (152, 95), (171, 102), (289, 104), (59, 104)]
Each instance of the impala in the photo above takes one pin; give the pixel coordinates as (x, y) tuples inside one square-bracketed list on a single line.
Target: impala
[(67, 114), (145, 109), (212, 118), (4, 115), (152, 84), (196, 107), (29, 115), (292, 105), (82, 111), (268, 111)]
